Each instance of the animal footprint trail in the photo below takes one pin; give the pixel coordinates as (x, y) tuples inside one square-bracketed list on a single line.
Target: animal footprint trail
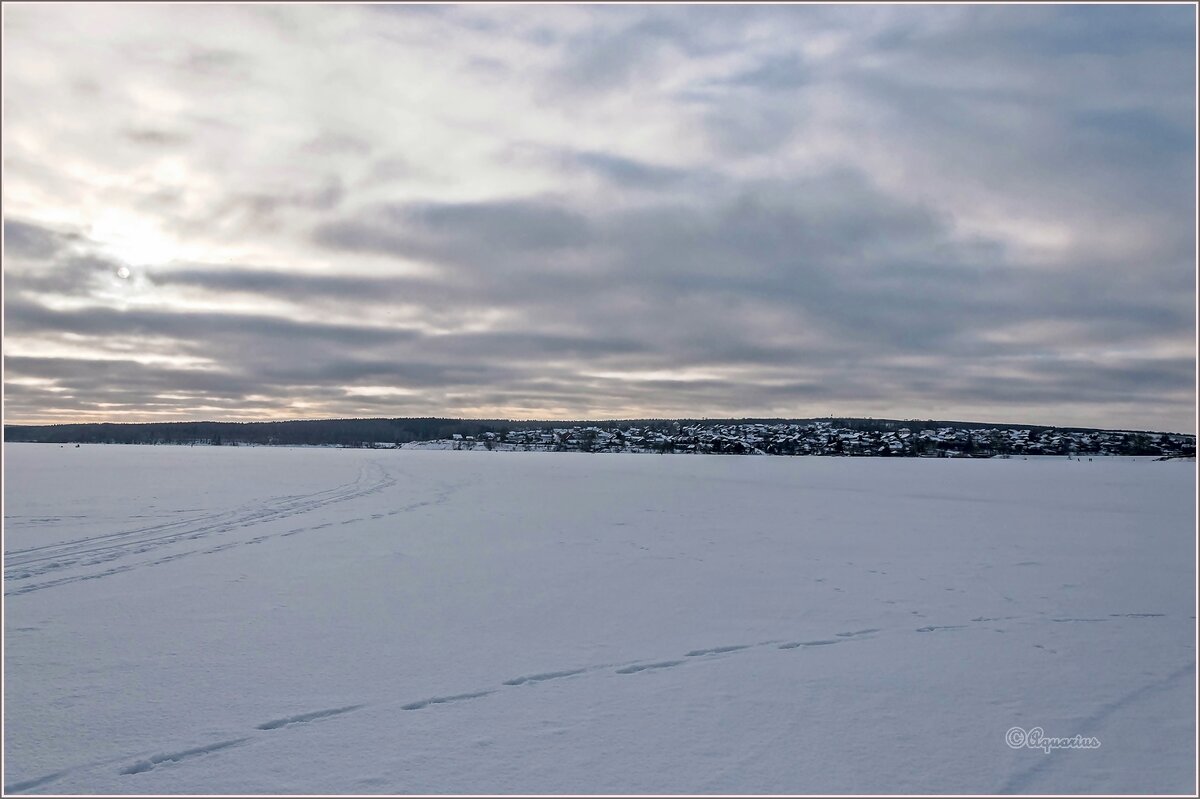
[(176, 757), (444, 700), (34, 783), (549, 675), (304, 718), (45, 779), (172, 758), (820, 642), (1060, 621), (857, 632), (666, 664), (717, 650)]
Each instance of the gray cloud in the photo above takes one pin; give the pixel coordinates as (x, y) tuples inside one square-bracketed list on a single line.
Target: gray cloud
[(833, 253), (154, 136), (22, 239), (43, 261), (605, 60), (781, 72), (977, 212), (197, 330), (630, 172)]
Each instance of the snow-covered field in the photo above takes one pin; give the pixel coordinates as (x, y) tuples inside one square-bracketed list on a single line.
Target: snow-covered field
[(243, 620)]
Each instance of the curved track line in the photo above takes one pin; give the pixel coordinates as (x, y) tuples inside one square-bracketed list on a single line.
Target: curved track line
[(33, 562)]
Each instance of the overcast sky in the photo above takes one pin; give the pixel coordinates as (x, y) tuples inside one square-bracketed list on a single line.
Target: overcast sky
[(262, 212)]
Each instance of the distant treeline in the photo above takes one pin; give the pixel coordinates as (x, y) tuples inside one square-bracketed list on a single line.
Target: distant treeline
[(369, 432)]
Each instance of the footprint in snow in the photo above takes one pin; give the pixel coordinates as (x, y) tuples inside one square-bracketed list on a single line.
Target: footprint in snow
[(25, 785), (443, 700), (717, 650), (822, 642), (666, 664), (1060, 621), (304, 718), (176, 757), (549, 675)]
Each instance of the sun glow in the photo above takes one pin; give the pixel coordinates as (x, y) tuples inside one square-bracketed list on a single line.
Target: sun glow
[(132, 240)]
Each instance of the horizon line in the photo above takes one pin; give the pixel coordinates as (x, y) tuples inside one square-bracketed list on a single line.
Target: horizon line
[(612, 420)]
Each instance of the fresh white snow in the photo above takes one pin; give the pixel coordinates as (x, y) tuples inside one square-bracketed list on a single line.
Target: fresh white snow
[(246, 620)]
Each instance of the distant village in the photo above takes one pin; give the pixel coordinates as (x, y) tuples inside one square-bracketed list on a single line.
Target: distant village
[(820, 436), (823, 438)]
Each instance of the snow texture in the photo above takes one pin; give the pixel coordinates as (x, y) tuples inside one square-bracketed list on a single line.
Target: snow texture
[(247, 620)]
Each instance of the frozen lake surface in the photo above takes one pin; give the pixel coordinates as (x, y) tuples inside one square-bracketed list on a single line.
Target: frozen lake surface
[(245, 620)]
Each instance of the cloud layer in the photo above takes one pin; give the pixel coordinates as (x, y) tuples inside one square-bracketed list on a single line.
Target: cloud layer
[(246, 212)]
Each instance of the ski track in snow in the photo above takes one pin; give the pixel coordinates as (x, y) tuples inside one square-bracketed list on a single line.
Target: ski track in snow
[(1015, 783), (26, 564), (23, 564), (1019, 781)]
